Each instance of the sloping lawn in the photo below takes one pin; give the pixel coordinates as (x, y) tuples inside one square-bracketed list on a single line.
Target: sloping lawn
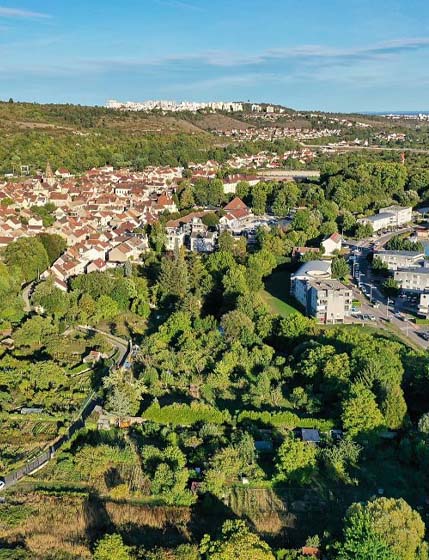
[(276, 294)]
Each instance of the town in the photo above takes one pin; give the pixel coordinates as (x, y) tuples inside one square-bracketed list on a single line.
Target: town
[(105, 216), (214, 286)]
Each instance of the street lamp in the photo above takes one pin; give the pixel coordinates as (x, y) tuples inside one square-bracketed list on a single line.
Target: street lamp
[(387, 307)]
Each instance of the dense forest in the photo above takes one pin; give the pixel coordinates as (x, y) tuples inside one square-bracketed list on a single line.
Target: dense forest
[(224, 389)]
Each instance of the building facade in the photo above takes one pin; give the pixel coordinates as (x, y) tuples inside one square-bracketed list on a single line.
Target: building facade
[(400, 259), (389, 217), (413, 279), (326, 299)]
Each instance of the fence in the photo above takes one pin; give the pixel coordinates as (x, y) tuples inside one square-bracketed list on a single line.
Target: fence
[(86, 409), (44, 457)]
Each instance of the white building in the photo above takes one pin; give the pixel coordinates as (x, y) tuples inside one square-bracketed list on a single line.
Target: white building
[(400, 259), (231, 182), (312, 270), (400, 214), (389, 217), (175, 239), (203, 242), (332, 244), (329, 301), (413, 279), (174, 106), (424, 305)]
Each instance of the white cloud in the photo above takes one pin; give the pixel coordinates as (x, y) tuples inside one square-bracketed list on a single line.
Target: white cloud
[(22, 14)]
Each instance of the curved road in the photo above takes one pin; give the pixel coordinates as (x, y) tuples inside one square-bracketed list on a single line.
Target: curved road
[(122, 345), (371, 148), (26, 295)]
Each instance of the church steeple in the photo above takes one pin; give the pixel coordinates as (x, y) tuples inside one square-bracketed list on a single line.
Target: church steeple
[(49, 176)]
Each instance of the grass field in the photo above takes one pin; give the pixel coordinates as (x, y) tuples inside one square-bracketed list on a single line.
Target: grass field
[(276, 294)]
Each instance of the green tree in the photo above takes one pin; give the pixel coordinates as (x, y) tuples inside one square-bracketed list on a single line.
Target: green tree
[(361, 542), (106, 308), (379, 266), (394, 407), (340, 268), (54, 244), (396, 523), (173, 278), (224, 470), (302, 220), (295, 325), (186, 198), (208, 192), (124, 392), (238, 327), (226, 242), (210, 219), (112, 547), (341, 456), (391, 287), (360, 411), (157, 237), (236, 542), (243, 189), (34, 332), (28, 255), (362, 231), (296, 461), (259, 195), (53, 300)]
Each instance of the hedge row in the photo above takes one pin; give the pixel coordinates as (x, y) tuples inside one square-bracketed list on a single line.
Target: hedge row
[(285, 420), (185, 415)]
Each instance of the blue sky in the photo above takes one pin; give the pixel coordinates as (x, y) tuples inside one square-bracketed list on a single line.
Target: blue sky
[(335, 55)]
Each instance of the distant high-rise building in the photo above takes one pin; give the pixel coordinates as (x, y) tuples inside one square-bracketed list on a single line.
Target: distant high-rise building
[(174, 106)]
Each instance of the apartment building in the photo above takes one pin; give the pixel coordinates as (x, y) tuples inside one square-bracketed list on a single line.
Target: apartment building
[(389, 217), (328, 300), (423, 310), (400, 259), (414, 279)]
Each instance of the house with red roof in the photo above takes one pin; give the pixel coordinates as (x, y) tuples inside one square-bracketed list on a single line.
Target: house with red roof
[(63, 173), (332, 244), (99, 265)]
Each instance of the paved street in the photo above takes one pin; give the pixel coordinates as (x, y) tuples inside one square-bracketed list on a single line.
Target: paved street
[(374, 303)]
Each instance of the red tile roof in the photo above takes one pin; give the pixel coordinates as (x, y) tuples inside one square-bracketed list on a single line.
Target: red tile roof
[(235, 204)]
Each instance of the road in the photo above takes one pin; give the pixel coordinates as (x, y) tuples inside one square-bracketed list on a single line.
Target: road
[(122, 345), (371, 148), (378, 240), (385, 309), (26, 295), (288, 174)]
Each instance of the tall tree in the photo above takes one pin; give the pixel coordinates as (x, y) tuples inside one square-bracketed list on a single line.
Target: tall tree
[(360, 411), (237, 542)]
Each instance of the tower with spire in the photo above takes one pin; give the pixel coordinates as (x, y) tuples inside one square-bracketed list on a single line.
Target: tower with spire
[(49, 177)]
